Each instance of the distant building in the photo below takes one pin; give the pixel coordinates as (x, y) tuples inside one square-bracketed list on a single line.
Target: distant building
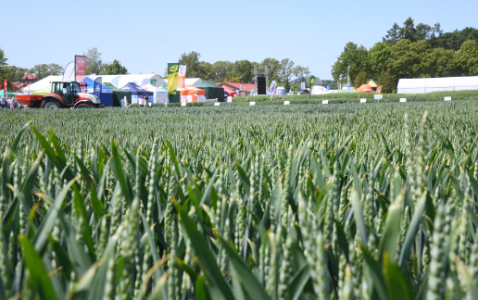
[(25, 81), (244, 88)]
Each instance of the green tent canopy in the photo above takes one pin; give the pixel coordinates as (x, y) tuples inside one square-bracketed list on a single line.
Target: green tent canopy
[(163, 87), (8, 93), (118, 94), (213, 91)]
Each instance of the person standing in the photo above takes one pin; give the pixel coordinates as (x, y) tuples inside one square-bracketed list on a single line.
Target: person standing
[(141, 101), (146, 101)]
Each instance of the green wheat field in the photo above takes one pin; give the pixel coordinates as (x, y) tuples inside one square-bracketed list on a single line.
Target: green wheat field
[(338, 201)]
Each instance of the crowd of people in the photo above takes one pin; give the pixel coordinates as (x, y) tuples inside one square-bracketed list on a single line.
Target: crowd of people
[(9, 103)]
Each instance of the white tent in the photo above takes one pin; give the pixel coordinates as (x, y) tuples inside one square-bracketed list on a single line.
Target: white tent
[(41, 84), (120, 80), (317, 90), (428, 85), (159, 95)]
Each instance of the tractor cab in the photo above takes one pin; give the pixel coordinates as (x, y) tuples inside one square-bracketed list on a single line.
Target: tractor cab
[(66, 90)]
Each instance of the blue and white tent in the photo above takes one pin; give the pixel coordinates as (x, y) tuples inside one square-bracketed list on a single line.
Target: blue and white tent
[(106, 95), (136, 91)]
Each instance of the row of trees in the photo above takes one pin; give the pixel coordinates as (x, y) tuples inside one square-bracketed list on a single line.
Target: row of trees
[(387, 62), (434, 35), (282, 71)]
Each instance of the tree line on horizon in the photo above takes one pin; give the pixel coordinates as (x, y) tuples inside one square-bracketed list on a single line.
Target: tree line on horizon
[(420, 51), (282, 71)]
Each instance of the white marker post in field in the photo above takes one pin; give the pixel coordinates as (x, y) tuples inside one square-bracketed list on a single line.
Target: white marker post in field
[(252, 103), (325, 101), (363, 100), (403, 100), (447, 98), (286, 102)]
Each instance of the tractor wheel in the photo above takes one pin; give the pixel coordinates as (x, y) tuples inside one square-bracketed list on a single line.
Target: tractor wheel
[(51, 104), (84, 105)]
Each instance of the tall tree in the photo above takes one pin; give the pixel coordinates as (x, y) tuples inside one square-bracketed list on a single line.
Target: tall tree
[(94, 64), (222, 70), (408, 31), (16, 73), (354, 59), (286, 69), (43, 70), (273, 65), (466, 59), (191, 61), (205, 71), (301, 72), (378, 57), (393, 35), (115, 68), (243, 69)]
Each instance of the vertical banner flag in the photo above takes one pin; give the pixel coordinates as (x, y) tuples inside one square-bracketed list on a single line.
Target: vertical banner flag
[(182, 77), (172, 78), (69, 73), (311, 85), (379, 90), (328, 87), (273, 87), (97, 86), (80, 72), (302, 86), (312, 81), (5, 88)]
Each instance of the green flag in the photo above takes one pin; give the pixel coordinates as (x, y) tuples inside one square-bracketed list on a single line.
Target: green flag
[(173, 78), (312, 81)]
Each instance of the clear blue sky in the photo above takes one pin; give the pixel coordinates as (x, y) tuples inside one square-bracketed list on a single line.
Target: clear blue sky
[(145, 35)]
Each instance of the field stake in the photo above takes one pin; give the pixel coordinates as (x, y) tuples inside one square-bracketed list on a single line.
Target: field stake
[(363, 100), (252, 103), (325, 101), (403, 100), (286, 102), (447, 98)]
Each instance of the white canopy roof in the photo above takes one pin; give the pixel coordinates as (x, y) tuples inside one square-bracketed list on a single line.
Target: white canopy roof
[(428, 85), (41, 84), (121, 80)]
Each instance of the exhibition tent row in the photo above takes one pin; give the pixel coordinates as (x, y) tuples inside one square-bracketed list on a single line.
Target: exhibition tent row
[(113, 93), (114, 90)]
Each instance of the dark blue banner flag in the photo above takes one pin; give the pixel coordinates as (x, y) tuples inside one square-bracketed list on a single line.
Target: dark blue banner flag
[(97, 86)]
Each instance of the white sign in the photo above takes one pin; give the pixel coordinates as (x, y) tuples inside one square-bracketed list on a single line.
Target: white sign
[(217, 104), (363, 100), (183, 104), (286, 102), (325, 101), (229, 99), (182, 70), (447, 98), (252, 103), (186, 99), (403, 100), (378, 97)]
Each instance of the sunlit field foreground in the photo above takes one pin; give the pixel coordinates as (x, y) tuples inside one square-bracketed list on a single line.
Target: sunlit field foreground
[(346, 201)]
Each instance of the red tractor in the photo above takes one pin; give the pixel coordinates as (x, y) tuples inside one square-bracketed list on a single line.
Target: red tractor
[(63, 94)]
